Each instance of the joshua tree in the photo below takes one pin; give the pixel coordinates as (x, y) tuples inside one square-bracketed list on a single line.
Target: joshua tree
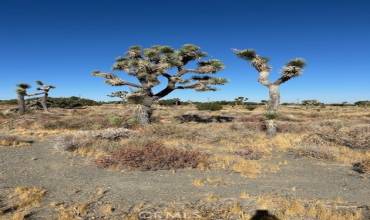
[(240, 100), (177, 101), (45, 91), (290, 70), (21, 93), (119, 94), (149, 64)]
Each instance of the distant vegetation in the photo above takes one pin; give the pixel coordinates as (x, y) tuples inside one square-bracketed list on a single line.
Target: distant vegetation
[(211, 106), (362, 103), (65, 102), (75, 102)]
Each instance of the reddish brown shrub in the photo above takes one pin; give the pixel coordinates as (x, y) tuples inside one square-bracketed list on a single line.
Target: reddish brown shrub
[(249, 154), (153, 156)]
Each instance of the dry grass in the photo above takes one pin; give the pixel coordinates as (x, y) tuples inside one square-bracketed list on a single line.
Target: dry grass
[(21, 201), (214, 207), (14, 141), (209, 181), (72, 212), (240, 146), (288, 208)]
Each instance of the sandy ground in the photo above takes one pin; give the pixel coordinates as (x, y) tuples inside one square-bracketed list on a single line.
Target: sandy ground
[(69, 178)]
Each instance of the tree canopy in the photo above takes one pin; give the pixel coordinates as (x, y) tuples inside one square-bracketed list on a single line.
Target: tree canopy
[(149, 64)]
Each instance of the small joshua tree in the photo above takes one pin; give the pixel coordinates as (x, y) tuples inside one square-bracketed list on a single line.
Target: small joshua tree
[(119, 94), (149, 64), (45, 91), (21, 93), (290, 70), (240, 100)]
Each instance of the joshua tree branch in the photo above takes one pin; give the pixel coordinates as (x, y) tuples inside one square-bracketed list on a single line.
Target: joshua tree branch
[(35, 94), (113, 80)]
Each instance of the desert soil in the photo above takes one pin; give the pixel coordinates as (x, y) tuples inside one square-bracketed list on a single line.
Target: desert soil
[(71, 179)]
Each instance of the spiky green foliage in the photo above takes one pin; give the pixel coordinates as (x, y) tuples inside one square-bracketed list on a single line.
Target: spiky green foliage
[(149, 64), (258, 62), (293, 68), (43, 87), (248, 54), (22, 88), (298, 62)]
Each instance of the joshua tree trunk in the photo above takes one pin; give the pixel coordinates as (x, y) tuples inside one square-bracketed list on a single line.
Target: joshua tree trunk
[(274, 101), (144, 111), (43, 102), (270, 127), (143, 114), (21, 104), (272, 108)]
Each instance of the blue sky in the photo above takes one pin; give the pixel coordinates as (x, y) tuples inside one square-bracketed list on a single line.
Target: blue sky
[(61, 42)]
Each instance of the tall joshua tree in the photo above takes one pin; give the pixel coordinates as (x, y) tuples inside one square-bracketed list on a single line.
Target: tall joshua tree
[(21, 93), (150, 64), (290, 70), (45, 91)]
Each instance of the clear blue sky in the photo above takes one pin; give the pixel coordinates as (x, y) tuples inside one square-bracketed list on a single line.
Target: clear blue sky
[(61, 42)]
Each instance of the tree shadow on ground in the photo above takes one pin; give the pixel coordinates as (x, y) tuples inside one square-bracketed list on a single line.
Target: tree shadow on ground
[(204, 118), (263, 215)]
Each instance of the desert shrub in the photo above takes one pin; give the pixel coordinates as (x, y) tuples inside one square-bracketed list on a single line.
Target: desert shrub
[(171, 102), (355, 137), (115, 120), (153, 156), (271, 116), (249, 154), (156, 132), (362, 167), (11, 140), (89, 138), (71, 102), (314, 139), (83, 122), (71, 142), (211, 106), (251, 107), (317, 152), (291, 127)]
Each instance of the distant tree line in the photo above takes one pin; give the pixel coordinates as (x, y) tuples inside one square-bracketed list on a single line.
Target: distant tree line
[(73, 102)]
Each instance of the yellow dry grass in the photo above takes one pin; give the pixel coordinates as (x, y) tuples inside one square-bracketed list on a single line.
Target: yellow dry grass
[(209, 181), (13, 143), (72, 212), (287, 208), (21, 202)]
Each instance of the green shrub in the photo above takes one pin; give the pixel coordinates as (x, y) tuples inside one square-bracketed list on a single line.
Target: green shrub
[(362, 103), (115, 120), (170, 102), (271, 116), (211, 106)]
